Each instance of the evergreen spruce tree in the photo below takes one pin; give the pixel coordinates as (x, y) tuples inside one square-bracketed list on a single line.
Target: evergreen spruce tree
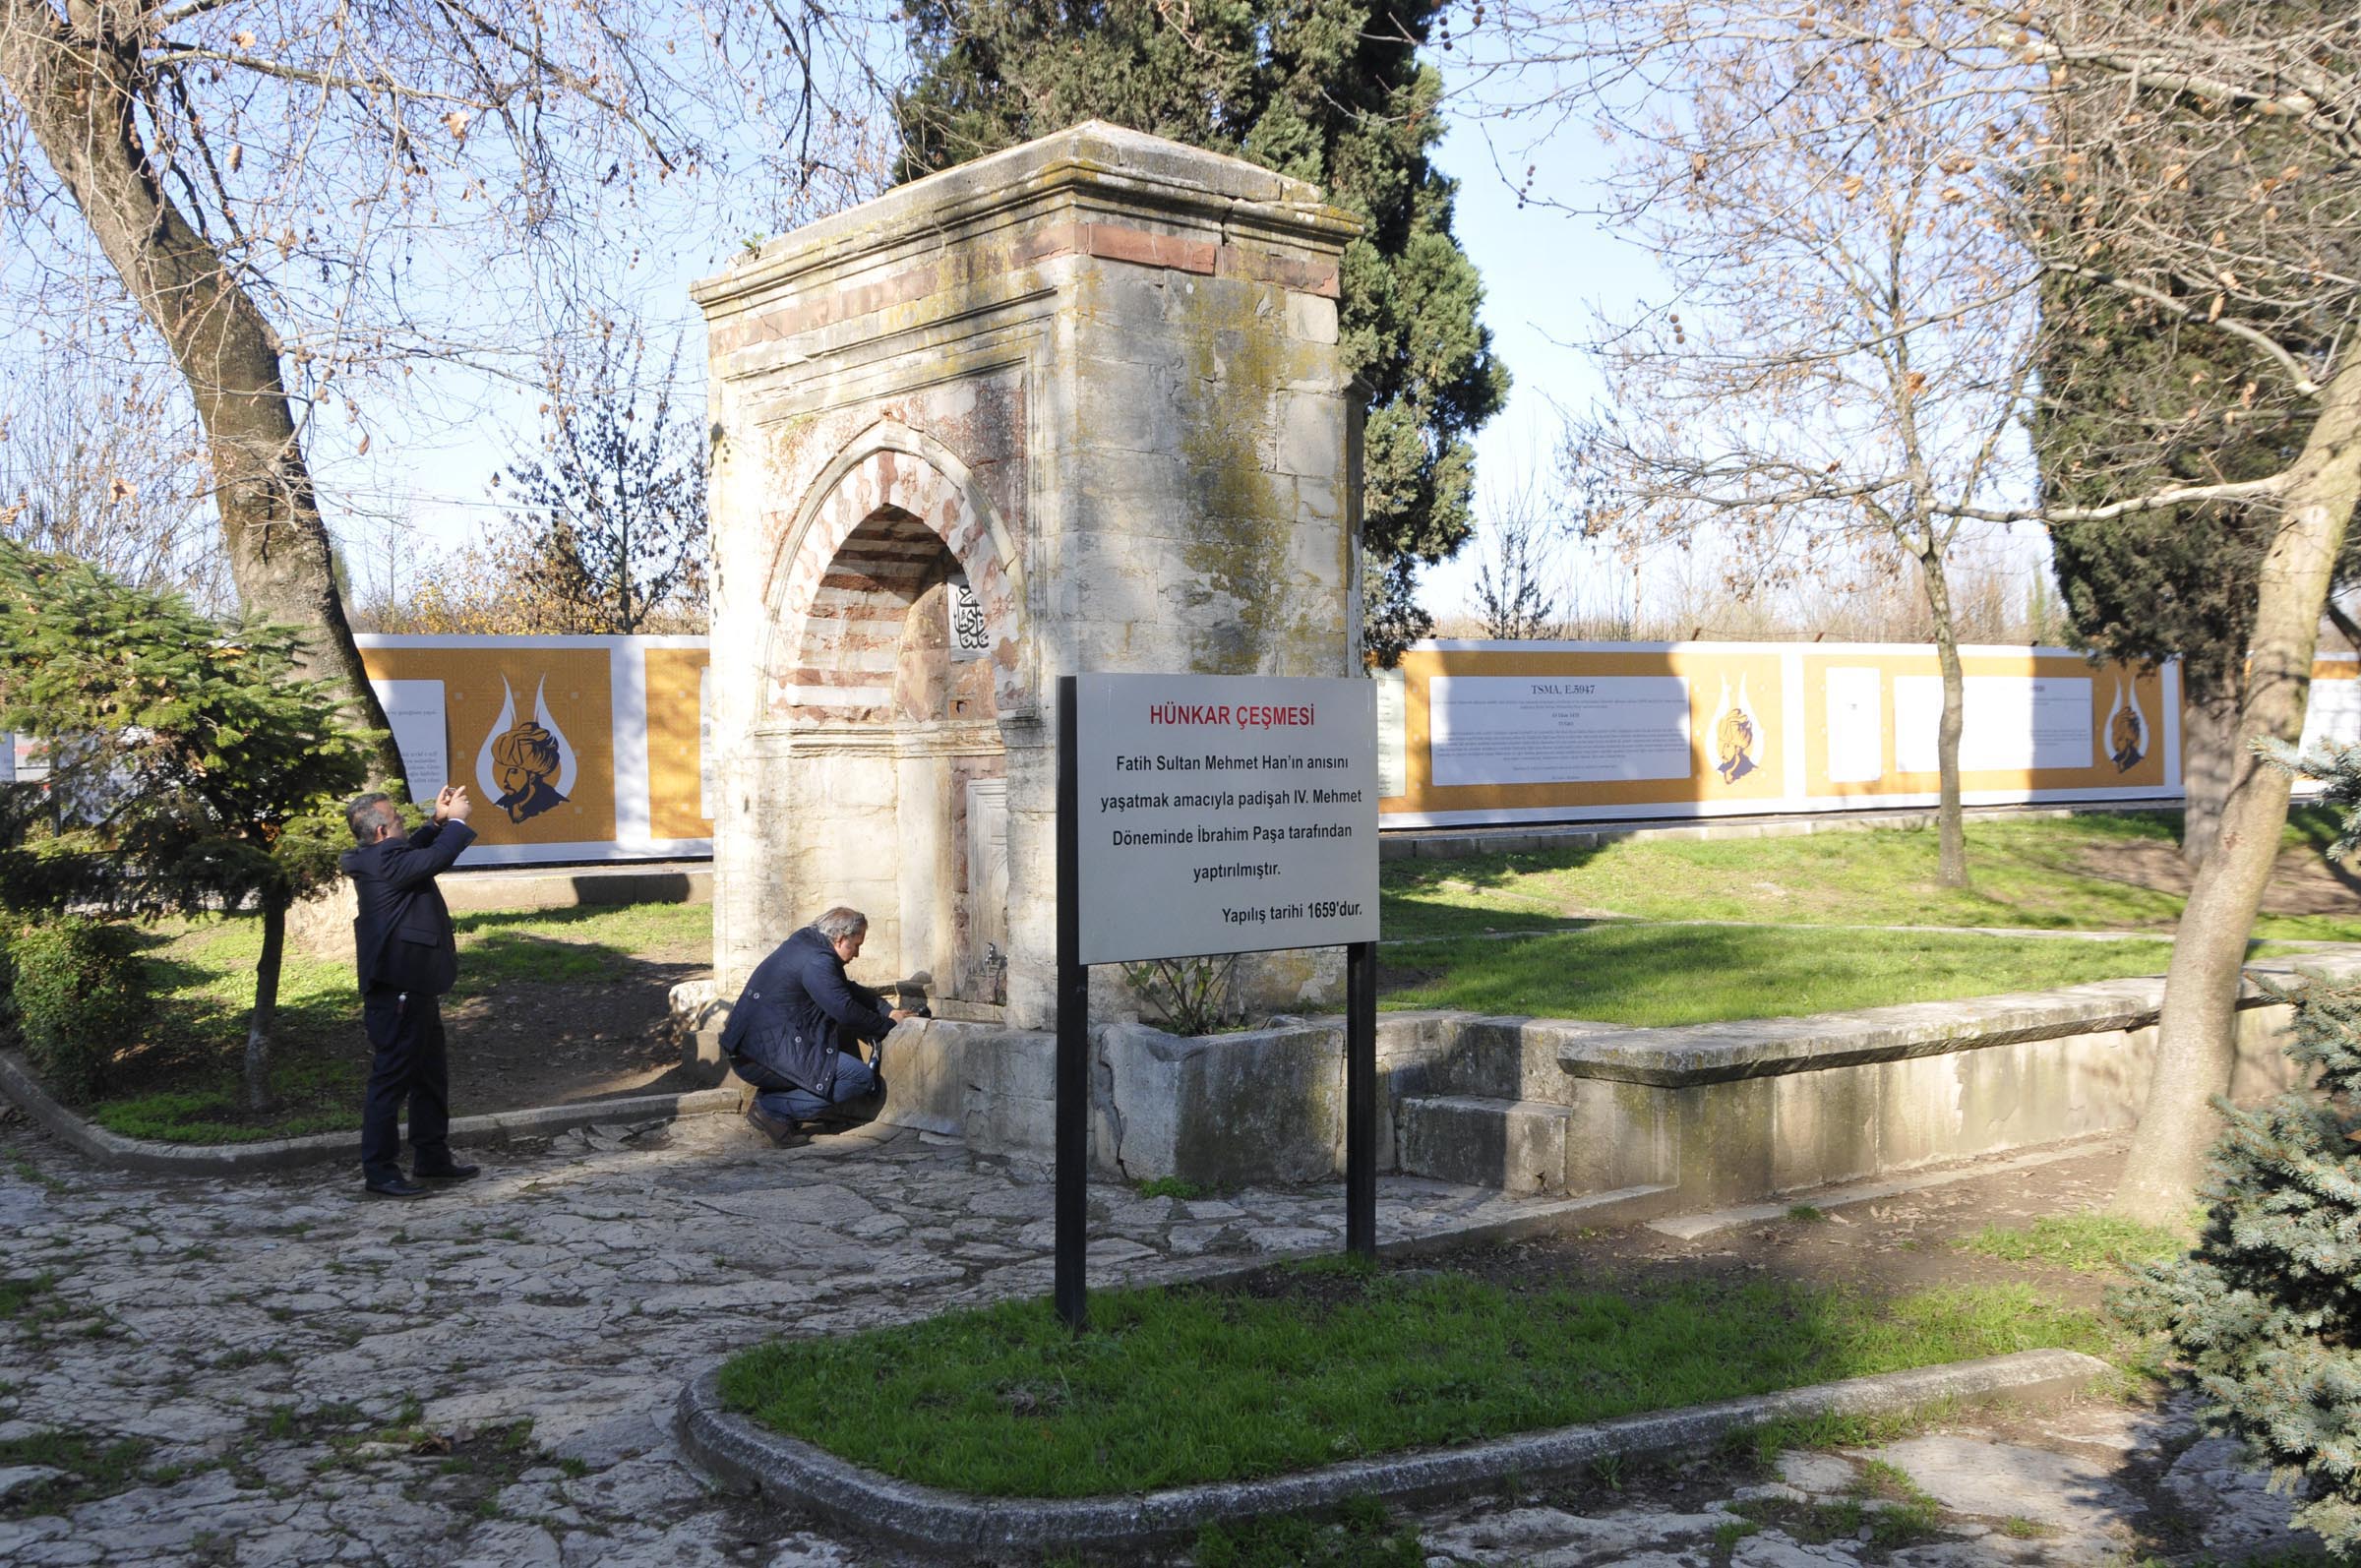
[(1325, 91), (191, 768), (2266, 1310)]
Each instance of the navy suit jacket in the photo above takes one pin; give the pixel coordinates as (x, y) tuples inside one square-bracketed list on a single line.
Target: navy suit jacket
[(401, 936), (799, 1009)]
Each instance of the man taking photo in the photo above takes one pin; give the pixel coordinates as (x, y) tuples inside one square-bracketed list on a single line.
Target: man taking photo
[(406, 959)]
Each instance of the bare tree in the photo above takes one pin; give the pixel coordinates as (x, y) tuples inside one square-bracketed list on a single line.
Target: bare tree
[(92, 468), (1846, 349), (306, 200), (611, 526), (1513, 599), (2177, 211)]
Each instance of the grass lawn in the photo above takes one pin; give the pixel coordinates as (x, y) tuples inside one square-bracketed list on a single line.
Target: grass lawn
[(179, 1081), (2087, 1243), (2039, 873), (1324, 1361), (1654, 976)]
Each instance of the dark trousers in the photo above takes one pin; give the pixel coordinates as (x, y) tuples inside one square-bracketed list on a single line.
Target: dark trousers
[(408, 1067), (857, 1096)]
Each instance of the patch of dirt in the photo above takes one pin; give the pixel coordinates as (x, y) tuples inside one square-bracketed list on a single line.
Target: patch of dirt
[(535, 1043), (1888, 1246), (2303, 883)]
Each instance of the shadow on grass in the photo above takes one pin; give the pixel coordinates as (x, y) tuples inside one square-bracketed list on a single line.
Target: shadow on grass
[(181, 1081), (588, 945), (1662, 976), (1303, 1365)]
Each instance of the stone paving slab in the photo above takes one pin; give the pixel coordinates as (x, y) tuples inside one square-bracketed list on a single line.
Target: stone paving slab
[(320, 1378), (259, 1332)]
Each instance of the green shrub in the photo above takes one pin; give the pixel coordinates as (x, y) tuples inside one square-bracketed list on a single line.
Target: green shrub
[(9, 1038), (2266, 1310), (79, 992)]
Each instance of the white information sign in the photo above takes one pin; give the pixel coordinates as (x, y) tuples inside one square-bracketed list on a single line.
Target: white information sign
[(1514, 729), (1856, 724), (29, 759), (1224, 814), (415, 708), (1393, 734), (2011, 723)]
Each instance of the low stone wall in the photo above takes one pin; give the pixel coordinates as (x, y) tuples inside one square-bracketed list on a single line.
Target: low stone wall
[(1708, 1115)]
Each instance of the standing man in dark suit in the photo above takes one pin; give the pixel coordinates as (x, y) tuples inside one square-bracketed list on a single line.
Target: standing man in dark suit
[(407, 960)]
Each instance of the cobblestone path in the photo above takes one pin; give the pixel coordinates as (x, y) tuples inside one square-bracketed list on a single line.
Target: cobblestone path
[(306, 1375), (275, 1370)]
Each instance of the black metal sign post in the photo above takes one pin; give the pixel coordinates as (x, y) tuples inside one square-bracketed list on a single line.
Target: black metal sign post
[(1361, 1100), (1071, 1205)]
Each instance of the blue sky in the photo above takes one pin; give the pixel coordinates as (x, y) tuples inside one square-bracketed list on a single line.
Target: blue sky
[(423, 487)]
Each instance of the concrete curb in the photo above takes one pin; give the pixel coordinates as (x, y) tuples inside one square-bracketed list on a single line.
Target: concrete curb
[(17, 1083), (742, 1454)]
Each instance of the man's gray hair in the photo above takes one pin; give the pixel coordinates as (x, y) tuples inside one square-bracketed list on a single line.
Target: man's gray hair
[(840, 923), (366, 814)]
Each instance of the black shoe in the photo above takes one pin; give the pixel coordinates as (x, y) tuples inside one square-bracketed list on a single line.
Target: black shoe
[(779, 1130), (454, 1172), (394, 1187)]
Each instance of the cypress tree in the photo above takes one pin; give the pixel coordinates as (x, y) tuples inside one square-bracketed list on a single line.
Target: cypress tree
[(2135, 398), (2133, 402), (1326, 91)]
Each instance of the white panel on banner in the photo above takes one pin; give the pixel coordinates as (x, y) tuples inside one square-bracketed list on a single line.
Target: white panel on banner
[(28, 757), (2011, 723), (1856, 725), (1503, 729), (1225, 813), (415, 708), (1393, 733), (706, 791), (2333, 715)]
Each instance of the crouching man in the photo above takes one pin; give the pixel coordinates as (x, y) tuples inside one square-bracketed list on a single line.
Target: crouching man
[(794, 1033)]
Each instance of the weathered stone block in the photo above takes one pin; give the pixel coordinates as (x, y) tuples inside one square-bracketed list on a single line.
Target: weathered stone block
[(1515, 1145), (1311, 317), (1260, 1105), (927, 1076), (1010, 1100), (1312, 438), (1620, 1135), (1824, 1127)]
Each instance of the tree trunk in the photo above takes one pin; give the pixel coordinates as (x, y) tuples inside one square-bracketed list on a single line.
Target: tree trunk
[(2196, 1039), (266, 1002), (81, 87), (2209, 754), (1951, 868)]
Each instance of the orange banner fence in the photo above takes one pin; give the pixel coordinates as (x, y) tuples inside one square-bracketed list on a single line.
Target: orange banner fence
[(575, 748), (1526, 731), (596, 747)]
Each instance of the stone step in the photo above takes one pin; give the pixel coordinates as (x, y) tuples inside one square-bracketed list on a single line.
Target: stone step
[(1485, 1141)]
